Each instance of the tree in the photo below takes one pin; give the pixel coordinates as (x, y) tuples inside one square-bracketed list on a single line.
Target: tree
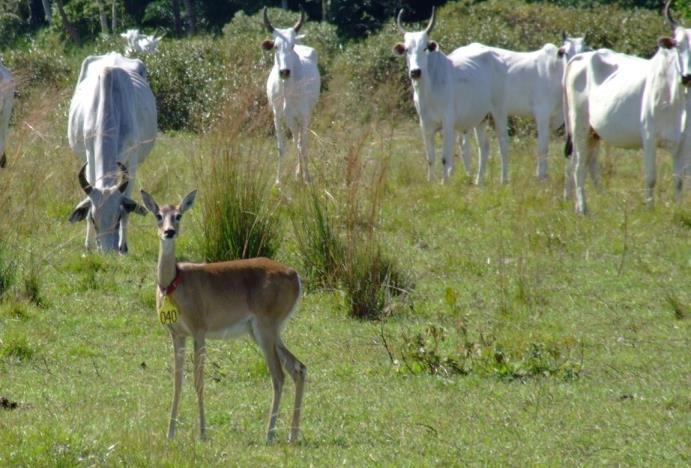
[(66, 23)]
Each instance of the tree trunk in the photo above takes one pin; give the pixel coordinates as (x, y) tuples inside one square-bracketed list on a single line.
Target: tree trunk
[(114, 24), (47, 11), (284, 4), (36, 17), (66, 23), (102, 16), (176, 18), (191, 17)]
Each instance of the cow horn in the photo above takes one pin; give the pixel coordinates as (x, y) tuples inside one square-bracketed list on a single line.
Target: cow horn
[(430, 25), (398, 21), (301, 21), (267, 24), (86, 186), (124, 177), (668, 16)]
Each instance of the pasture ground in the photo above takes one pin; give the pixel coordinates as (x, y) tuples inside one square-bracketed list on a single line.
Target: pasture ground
[(90, 367)]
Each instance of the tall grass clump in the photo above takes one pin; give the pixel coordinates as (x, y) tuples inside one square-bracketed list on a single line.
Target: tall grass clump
[(7, 270), (340, 245), (239, 215)]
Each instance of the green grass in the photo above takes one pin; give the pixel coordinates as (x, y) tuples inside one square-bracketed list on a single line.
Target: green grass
[(508, 268)]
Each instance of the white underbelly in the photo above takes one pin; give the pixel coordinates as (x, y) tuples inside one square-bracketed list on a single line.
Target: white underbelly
[(233, 331)]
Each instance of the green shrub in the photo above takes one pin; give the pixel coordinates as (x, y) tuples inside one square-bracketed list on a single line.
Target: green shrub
[(7, 270), (238, 213), (16, 346)]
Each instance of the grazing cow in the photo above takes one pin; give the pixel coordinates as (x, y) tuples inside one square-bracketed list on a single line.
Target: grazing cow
[(140, 43), (292, 89), (534, 89), (112, 126), (6, 98), (454, 93), (628, 102)]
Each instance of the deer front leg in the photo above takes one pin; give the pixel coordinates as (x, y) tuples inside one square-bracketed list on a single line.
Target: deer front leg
[(179, 355), (199, 354)]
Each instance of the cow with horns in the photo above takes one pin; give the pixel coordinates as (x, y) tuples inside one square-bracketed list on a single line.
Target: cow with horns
[(292, 89), (629, 102), (138, 43), (534, 90), (6, 98), (455, 93), (112, 127)]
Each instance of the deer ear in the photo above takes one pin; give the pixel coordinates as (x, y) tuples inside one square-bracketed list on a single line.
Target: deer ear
[(149, 202), (667, 42), (80, 211), (268, 44), (130, 205), (187, 202), (432, 46), (398, 49)]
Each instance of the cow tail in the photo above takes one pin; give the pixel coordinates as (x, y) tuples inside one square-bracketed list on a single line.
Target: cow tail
[(568, 145)]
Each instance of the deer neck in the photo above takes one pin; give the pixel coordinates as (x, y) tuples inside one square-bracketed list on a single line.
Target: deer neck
[(167, 266)]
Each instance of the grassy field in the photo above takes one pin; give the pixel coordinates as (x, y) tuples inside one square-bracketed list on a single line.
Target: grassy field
[(575, 330)]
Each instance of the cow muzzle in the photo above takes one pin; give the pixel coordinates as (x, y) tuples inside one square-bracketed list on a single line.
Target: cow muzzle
[(686, 80), (415, 73), (284, 73)]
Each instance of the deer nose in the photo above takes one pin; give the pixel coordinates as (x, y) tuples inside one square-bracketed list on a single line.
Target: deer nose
[(415, 73), (169, 233), (284, 73)]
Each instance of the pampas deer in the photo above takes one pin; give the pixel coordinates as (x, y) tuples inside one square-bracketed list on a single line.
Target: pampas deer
[(221, 300)]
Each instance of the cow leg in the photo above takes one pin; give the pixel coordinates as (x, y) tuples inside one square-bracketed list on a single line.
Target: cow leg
[(123, 233), (483, 152), (569, 176), (281, 143), (678, 173), (464, 145), (448, 135), (649, 146), (501, 127), (302, 137), (90, 242), (428, 137), (584, 153), (542, 146)]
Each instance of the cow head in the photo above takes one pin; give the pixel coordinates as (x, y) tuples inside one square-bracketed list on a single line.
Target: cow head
[(680, 43), (572, 46), (104, 208), (416, 46), (283, 42)]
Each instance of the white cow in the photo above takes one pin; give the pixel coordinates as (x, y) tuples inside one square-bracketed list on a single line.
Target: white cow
[(140, 43), (292, 89), (628, 102), (112, 127), (6, 98), (534, 89), (455, 93)]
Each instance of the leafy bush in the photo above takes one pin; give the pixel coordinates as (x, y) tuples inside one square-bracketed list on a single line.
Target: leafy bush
[(7, 270), (190, 79)]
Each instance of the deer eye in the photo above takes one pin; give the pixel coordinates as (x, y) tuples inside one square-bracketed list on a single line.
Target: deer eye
[(159, 218), (178, 217)]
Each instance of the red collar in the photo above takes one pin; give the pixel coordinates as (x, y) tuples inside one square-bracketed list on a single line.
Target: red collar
[(174, 285)]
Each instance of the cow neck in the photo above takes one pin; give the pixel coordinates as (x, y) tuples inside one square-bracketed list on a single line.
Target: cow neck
[(167, 270)]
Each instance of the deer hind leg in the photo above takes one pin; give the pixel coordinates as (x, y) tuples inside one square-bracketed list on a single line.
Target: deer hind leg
[(267, 341), (199, 355), (298, 372), (179, 355)]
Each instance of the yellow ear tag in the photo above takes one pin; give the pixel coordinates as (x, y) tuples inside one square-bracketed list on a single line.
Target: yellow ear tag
[(167, 313)]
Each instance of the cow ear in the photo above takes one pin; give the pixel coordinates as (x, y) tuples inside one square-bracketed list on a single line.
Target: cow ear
[(399, 49), (432, 46), (561, 52), (667, 42), (268, 44), (80, 211), (130, 205)]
